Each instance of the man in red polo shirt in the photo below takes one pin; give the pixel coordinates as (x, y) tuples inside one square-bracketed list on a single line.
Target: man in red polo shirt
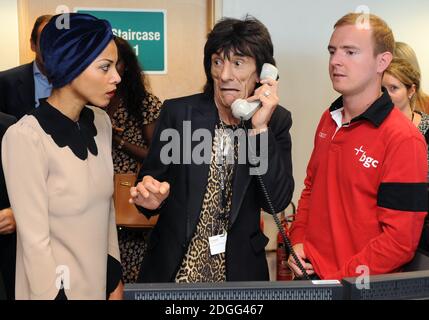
[(365, 195)]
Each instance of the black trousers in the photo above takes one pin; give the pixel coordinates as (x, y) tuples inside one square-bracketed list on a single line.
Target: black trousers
[(7, 263)]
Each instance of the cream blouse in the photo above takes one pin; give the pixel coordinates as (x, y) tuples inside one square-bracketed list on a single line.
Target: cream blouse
[(59, 176)]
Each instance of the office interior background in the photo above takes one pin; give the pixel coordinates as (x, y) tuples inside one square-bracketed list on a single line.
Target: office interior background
[(300, 31)]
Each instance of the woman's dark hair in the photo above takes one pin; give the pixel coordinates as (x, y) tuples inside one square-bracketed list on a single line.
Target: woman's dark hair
[(131, 88), (248, 37)]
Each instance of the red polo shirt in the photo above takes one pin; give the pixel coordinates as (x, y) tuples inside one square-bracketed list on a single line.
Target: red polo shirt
[(365, 195)]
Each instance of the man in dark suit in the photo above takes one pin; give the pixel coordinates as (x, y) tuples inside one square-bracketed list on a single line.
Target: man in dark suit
[(23, 86), (209, 204), (20, 89), (7, 224)]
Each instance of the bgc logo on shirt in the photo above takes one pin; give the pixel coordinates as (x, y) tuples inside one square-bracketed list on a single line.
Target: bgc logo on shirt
[(366, 160)]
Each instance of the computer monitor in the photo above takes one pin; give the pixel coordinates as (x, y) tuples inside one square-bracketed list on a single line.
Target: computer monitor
[(413, 283), (263, 290), (395, 286)]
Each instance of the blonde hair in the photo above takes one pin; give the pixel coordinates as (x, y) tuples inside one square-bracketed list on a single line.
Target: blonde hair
[(381, 33), (405, 52), (406, 73)]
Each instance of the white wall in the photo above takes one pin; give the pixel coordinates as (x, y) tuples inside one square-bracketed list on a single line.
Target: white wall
[(301, 30), (9, 34)]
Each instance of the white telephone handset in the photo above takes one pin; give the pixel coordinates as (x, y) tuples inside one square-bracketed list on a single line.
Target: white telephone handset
[(241, 109)]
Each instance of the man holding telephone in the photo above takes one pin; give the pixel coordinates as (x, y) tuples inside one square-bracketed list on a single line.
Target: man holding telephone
[(209, 211)]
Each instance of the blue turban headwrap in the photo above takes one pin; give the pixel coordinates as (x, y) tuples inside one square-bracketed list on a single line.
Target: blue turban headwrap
[(67, 52)]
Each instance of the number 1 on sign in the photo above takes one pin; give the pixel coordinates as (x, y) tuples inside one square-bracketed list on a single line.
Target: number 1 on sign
[(136, 48)]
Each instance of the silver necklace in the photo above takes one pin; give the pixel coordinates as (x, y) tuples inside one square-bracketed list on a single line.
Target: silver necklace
[(224, 147)]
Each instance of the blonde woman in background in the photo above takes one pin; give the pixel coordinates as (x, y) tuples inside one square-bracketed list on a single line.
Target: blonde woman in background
[(404, 51), (402, 81)]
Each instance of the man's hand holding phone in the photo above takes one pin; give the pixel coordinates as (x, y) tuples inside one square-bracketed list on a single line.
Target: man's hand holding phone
[(267, 95), (262, 104), (299, 250)]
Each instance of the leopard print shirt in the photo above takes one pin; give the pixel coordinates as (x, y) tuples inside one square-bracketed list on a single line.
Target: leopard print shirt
[(198, 264), (133, 131)]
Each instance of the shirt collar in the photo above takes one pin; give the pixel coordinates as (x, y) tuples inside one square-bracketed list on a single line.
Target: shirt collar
[(376, 113), (78, 136), (37, 72)]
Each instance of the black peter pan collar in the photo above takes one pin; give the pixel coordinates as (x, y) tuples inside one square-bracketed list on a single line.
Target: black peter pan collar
[(78, 136)]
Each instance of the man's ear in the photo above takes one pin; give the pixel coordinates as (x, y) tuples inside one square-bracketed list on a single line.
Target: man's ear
[(32, 45), (383, 61)]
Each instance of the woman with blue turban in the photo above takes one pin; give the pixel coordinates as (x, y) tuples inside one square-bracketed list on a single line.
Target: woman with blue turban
[(59, 173)]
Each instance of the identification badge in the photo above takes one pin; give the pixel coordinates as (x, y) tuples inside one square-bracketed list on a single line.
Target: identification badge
[(217, 244)]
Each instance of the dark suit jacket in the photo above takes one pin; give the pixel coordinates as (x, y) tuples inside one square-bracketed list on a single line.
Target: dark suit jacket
[(179, 215), (7, 242), (5, 121), (17, 93)]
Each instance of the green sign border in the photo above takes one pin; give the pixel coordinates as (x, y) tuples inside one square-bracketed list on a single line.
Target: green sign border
[(163, 11)]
